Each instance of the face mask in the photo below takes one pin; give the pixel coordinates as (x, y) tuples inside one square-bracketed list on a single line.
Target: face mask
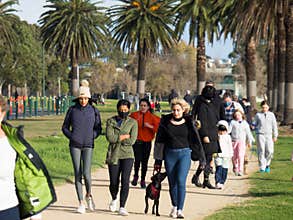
[(227, 104), (123, 115)]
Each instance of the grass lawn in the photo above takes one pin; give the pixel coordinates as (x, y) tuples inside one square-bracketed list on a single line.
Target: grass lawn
[(45, 135), (272, 193)]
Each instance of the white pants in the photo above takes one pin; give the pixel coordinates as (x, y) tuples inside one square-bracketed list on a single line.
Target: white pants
[(265, 150)]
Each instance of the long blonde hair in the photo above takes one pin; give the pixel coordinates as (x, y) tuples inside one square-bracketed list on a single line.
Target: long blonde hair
[(179, 101)]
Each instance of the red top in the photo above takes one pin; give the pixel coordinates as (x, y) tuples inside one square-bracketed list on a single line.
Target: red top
[(144, 133)]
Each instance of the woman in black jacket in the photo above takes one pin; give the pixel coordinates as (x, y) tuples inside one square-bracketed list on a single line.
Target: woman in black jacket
[(175, 140), (208, 116), (81, 126)]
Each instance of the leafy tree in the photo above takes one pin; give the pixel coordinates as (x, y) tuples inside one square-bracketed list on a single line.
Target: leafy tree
[(73, 29), (195, 13), (7, 33), (146, 25)]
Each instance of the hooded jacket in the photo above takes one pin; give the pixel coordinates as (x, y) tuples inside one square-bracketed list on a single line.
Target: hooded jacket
[(34, 187)]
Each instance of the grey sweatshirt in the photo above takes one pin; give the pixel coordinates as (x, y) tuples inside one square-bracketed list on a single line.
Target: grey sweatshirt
[(266, 124)]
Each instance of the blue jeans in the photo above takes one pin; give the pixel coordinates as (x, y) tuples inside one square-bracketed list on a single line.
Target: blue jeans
[(177, 164), (221, 174)]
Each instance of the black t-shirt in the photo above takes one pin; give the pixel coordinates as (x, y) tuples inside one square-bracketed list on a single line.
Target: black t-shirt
[(177, 136)]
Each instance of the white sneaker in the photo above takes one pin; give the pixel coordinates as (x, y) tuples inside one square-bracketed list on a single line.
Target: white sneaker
[(123, 211), (90, 203), (81, 209), (113, 205), (180, 214), (219, 186), (173, 212)]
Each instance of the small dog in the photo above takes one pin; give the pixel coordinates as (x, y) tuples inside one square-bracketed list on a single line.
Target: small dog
[(153, 192)]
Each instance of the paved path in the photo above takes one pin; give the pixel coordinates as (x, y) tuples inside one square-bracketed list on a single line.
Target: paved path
[(199, 202)]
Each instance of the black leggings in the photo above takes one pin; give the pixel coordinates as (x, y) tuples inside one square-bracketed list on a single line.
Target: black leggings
[(142, 152), (123, 167)]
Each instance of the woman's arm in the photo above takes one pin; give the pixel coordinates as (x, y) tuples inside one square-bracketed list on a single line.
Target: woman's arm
[(132, 135), (66, 124), (112, 133)]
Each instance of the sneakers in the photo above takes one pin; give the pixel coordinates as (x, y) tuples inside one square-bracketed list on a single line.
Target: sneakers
[(180, 214), (261, 171), (123, 211), (90, 203), (134, 181), (81, 209), (240, 174), (268, 169), (173, 212), (113, 205), (142, 184), (219, 186)]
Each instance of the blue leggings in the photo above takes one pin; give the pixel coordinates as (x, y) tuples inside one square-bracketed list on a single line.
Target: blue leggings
[(177, 164)]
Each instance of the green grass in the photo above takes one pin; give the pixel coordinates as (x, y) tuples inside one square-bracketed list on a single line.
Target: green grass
[(272, 193), (55, 153), (44, 134)]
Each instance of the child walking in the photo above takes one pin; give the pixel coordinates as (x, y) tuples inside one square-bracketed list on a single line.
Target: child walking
[(222, 160), (266, 134), (240, 134)]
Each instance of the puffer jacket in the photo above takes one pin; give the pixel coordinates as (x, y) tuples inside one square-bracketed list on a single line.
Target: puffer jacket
[(34, 187)]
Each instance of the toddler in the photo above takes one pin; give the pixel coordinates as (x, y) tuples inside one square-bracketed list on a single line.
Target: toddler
[(222, 160)]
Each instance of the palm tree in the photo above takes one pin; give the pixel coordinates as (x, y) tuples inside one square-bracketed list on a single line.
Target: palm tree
[(196, 14), (7, 33), (146, 25), (73, 29), (288, 110)]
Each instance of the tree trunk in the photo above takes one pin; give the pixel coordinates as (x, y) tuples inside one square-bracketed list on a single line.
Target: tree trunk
[(74, 78), (282, 61), (276, 75), (140, 88), (288, 110), (201, 62), (270, 71), (250, 67)]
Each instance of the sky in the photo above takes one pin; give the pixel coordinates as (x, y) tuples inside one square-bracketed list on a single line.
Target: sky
[(30, 10)]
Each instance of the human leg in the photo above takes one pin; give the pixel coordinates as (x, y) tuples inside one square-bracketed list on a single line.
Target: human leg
[(170, 165), (182, 167), (137, 149), (86, 156), (260, 141), (241, 154), (125, 169), (269, 151), (76, 161)]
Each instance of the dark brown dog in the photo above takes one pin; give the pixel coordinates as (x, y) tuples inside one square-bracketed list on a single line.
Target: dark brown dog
[(153, 191)]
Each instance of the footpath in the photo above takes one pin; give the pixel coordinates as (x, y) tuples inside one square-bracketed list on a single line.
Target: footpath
[(199, 202)]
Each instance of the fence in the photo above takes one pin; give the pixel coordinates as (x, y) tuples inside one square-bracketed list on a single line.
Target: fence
[(23, 106)]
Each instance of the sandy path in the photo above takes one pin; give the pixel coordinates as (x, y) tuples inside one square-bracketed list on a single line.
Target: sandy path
[(198, 204)]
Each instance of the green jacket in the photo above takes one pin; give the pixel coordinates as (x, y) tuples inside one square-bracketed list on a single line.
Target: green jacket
[(120, 149), (34, 188)]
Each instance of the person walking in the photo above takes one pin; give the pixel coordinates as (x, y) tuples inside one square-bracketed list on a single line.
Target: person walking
[(208, 116), (25, 185), (266, 130), (121, 133), (175, 140), (148, 124), (230, 107), (240, 134), (82, 124), (188, 98), (223, 159)]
